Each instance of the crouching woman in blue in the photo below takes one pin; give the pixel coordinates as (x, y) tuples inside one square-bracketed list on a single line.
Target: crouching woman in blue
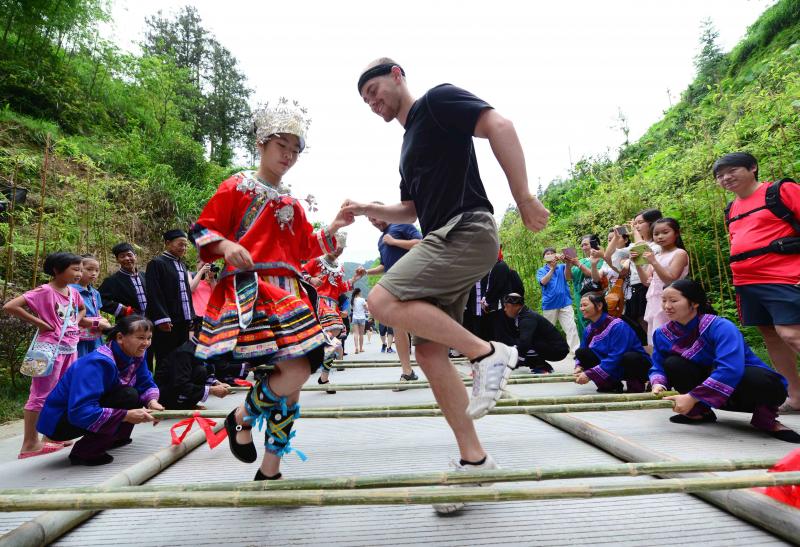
[(611, 351), (705, 358), (103, 395)]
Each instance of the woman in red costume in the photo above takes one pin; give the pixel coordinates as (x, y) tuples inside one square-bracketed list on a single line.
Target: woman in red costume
[(261, 310), (327, 275)]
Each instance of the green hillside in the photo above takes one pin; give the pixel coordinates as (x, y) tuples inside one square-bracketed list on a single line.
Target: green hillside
[(747, 99)]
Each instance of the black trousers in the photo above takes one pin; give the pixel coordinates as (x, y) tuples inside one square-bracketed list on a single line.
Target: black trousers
[(171, 398), (165, 343), (635, 366), (757, 387), (92, 444)]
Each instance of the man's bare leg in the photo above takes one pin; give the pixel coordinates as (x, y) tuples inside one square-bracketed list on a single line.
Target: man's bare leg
[(403, 350), (451, 395), (783, 346), (426, 321)]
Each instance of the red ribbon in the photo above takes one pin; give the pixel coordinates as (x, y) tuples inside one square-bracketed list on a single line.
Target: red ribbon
[(205, 424), (789, 494), (240, 382)]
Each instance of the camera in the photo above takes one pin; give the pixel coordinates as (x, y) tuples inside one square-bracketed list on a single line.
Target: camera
[(621, 230), (214, 268)]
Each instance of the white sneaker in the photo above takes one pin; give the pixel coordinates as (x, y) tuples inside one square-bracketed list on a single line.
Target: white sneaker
[(489, 377), (447, 508)]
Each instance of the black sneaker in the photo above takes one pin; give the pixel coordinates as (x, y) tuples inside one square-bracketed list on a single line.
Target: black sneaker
[(405, 378)]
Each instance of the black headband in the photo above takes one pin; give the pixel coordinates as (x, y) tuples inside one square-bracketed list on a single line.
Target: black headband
[(374, 72)]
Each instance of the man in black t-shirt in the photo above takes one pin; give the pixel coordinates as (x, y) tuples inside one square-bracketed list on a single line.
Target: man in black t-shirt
[(426, 291)]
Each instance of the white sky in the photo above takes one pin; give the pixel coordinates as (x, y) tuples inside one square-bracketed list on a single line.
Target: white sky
[(560, 70)]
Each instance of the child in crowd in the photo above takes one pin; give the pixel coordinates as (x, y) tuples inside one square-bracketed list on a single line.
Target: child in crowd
[(667, 265), (91, 337), (56, 310)]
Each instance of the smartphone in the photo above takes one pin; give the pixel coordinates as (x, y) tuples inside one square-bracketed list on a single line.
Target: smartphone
[(621, 230), (594, 243), (569, 252)]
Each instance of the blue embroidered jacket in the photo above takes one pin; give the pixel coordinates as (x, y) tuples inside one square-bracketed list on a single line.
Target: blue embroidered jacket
[(610, 338), (709, 341), (77, 394)]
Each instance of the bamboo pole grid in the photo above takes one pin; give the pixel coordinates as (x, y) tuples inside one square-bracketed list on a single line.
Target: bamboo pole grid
[(411, 489)]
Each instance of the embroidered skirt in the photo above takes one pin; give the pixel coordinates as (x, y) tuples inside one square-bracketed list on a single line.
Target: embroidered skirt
[(329, 316), (272, 319)]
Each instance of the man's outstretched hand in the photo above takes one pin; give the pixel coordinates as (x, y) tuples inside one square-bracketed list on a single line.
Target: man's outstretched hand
[(534, 215)]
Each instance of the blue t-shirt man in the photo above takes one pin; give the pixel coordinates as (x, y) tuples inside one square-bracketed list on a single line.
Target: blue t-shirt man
[(555, 294), (390, 254)]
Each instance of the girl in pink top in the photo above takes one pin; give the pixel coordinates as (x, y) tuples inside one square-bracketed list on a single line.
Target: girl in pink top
[(47, 308), (664, 267)]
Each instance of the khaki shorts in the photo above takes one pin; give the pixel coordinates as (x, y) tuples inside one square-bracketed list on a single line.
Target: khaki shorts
[(445, 265)]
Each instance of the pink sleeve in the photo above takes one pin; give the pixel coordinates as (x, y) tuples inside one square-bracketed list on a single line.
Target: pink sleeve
[(37, 300)]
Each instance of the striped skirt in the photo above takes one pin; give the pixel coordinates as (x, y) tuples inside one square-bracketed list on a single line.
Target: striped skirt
[(329, 316), (272, 320)]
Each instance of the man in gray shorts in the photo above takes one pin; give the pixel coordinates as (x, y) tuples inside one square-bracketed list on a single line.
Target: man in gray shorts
[(426, 291)]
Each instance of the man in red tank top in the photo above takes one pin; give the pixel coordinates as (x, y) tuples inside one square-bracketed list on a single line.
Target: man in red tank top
[(767, 283)]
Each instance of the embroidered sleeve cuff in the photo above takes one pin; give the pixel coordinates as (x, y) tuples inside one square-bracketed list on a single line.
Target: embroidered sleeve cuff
[(712, 393), (205, 394), (160, 321), (326, 241), (599, 376), (109, 420), (659, 379), (149, 395)]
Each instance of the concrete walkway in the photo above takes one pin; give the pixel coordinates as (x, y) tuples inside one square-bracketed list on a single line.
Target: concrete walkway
[(376, 446)]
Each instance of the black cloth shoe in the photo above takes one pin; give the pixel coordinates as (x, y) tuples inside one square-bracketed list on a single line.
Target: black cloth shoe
[(785, 435), (708, 417), (329, 391), (121, 442), (262, 477), (103, 459), (243, 452)]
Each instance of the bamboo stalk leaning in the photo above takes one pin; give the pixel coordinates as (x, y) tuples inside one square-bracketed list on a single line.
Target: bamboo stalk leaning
[(424, 479), (385, 496)]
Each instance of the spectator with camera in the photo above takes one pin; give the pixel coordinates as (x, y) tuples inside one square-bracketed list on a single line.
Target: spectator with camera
[(202, 285), (555, 279), (582, 281), (536, 339)]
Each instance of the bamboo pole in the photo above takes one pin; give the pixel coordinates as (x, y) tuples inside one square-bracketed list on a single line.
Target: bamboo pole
[(433, 412), (45, 165), (548, 379), (387, 363), (46, 528), (386, 496), (753, 507), (10, 240), (444, 478)]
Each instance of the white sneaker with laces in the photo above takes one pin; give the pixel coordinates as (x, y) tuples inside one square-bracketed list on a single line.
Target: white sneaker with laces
[(448, 508), (489, 377)]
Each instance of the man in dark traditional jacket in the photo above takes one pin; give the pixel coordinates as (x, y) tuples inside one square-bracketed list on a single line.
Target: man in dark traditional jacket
[(169, 297), (124, 293)]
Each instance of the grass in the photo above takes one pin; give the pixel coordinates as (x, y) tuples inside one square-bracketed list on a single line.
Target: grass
[(12, 398)]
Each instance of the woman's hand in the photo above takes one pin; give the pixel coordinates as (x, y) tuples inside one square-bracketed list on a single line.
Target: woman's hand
[(582, 378), (154, 405), (683, 403), (138, 416), (237, 256)]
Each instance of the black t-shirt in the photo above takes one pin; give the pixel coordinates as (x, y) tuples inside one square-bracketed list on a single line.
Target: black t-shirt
[(438, 168)]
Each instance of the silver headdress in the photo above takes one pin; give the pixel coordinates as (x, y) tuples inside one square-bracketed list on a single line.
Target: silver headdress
[(281, 117)]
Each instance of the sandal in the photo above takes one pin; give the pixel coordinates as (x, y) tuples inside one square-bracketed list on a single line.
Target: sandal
[(47, 448), (243, 452)]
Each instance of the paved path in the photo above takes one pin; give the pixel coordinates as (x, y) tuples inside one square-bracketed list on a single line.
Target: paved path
[(375, 446)]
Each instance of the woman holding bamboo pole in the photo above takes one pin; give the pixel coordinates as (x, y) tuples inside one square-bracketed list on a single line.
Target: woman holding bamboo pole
[(262, 311), (705, 358), (103, 395), (612, 351)]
